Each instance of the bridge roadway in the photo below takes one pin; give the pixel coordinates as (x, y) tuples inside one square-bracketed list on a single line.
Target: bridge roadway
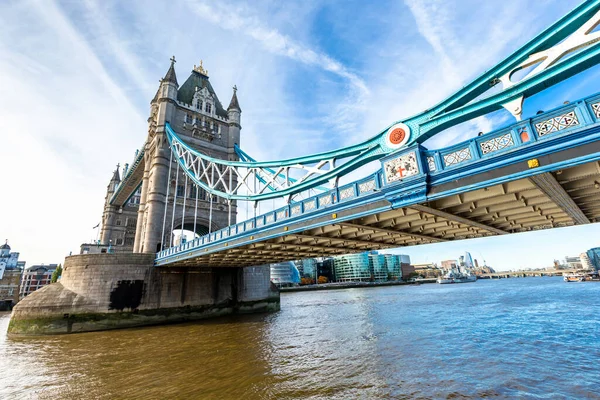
[(539, 173)]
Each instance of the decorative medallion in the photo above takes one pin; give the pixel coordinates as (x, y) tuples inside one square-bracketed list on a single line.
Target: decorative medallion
[(401, 167), (397, 135)]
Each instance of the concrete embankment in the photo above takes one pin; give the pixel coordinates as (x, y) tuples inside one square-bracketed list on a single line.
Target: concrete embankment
[(111, 291), (350, 285)]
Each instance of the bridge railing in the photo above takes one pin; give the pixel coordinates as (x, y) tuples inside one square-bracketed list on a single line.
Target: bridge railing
[(560, 120), (321, 201)]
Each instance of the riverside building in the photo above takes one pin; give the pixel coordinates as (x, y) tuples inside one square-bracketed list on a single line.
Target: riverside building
[(285, 274), (36, 277), (370, 266), (594, 257), (10, 277)]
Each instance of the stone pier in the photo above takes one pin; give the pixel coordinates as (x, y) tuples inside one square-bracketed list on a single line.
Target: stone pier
[(111, 291)]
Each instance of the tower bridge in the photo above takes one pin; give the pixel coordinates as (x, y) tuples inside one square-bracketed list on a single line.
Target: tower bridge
[(535, 173)]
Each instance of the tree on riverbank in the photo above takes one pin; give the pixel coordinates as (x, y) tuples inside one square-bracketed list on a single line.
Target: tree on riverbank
[(56, 274)]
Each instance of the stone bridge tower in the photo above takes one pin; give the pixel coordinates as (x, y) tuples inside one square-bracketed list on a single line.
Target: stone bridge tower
[(195, 113)]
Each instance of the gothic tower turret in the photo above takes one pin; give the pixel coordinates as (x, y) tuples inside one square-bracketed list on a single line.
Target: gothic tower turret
[(155, 181), (234, 116), (194, 112), (110, 212)]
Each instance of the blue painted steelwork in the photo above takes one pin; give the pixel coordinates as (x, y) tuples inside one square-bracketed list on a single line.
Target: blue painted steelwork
[(139, 156), (247, 158), (566, 48), (415, 189)]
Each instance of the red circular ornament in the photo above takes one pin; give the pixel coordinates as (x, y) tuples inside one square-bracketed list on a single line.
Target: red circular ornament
[(397, 136)]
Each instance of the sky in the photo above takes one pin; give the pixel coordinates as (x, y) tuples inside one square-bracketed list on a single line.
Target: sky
[(77, 77)]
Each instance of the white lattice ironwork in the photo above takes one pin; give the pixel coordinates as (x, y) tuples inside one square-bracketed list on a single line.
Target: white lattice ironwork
[(347, 193), (229, 179), (497, 143), (270, 218), (310, 205), (557, 123), (596, 109), (367, 186), (281, 215), (259, 222), (457, 157), (431, 164), (296, 209), (325, 200)]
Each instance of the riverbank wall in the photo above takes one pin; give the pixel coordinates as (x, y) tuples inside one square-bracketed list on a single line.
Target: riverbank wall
[(350, 285), (112, 291)]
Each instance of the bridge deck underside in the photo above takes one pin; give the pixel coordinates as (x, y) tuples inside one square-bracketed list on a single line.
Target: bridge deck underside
[(551, 199)]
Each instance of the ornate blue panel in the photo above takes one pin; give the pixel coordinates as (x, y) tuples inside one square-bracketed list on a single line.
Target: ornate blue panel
[(596, 109), (366, 186), (457, 157), (497, 143), (401, 167), (557, 123), (346, 193)]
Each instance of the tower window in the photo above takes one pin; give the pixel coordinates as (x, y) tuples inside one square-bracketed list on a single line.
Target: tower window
[(208, 108), (188, 118), (199, 104), (118, 222)]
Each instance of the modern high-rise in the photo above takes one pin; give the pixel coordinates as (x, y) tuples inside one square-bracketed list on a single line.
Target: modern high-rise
[(370, 266), (594, 257)]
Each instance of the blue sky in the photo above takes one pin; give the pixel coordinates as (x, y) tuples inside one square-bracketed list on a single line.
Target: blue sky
[(77, 79)]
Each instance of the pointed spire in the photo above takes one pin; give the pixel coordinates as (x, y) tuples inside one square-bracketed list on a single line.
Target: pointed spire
[(170, 76), (116, 177), (234, 104)]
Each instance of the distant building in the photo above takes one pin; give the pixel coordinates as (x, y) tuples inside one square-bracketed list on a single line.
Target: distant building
[(448, 265), (468, 261), (326, 268), (371, 266), (285, 274), (594, 257), (427, 270), (36, 277), (95, 248), (10, 277), (585, 261), (307, 268), (573, 262)]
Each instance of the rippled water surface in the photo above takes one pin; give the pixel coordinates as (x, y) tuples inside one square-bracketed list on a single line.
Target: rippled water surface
[(511, 338)]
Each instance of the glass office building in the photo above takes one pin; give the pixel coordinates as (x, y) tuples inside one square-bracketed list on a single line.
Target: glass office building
[(594, 257), (307, 268), (369, 266), (284, 274), (352, 267)]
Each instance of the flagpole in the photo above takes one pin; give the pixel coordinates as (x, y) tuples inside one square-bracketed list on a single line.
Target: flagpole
[(97, 232)]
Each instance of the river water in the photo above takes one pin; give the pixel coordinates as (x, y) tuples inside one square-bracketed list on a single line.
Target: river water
[(525, 338)]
